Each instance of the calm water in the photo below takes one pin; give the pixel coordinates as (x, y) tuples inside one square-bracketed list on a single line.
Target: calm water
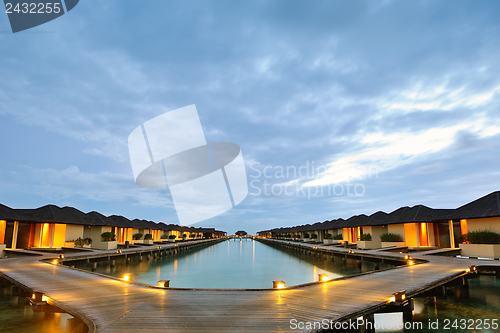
[(481, 301), (232, 264), (16, 317)]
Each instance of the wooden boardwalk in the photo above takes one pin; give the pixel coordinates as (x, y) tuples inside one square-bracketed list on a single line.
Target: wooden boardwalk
[(109, 306)]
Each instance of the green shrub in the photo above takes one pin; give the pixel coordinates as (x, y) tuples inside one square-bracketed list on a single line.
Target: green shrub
[(108, 236), (87, 241), (172, 237), (389, 237), (365, 237), (328, 236), (314, 236), (137, 236), (295, 236), (164, 236), (338, 237), (306, 235), (184, 235), (480, 237), (148, 236)]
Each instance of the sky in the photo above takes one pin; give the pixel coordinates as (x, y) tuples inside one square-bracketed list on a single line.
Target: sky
[(340, 107)]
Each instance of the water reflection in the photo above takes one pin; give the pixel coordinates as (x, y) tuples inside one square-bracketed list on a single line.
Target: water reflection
[(17, 317), (234, 264), (478, 302)]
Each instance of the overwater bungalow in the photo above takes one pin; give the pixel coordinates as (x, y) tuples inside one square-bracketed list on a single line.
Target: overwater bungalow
[(417, 226), (52, 227)]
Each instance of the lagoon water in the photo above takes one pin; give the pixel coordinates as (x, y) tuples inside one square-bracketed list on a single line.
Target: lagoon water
[(232, 264)]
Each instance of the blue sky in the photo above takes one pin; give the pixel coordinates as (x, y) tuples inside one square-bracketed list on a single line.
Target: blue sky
[(398, 98)]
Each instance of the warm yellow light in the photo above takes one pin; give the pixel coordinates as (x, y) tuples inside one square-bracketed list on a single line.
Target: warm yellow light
[(45, 298), (403, 297), (278, 284), (315, 247), (350, 252), (33, 296), (163, 283), (411, 263), (407, 257), (322, 277), (55, 261), (61, 256), (468, 270), (119, 251), (127, 277), (392, 299)]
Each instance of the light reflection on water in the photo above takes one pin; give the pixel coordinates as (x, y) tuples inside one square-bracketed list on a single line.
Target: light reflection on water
[(480, 301), (16, 317), (232, 264)]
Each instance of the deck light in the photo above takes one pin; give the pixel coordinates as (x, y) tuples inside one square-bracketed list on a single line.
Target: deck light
[(400, 296), (350, 252), (37, 296), (322, 277), (411, 262), (315, 247), (471, 269), (55, 261), (407, 257), (127, 277), (158, 247), (278, 284), (61, 256), (164, 283), (119, 251)]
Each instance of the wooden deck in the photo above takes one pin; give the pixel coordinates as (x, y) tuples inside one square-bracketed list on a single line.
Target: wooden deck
[(108, 305)]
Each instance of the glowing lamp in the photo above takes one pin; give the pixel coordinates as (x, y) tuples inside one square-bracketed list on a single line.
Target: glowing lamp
[(158, 247), (322, 277), (407, 257), (350, 252), (61, 256), (278, 284), (127, 277), (37, 296), (55, 261), (400, 296), (315, 247), (471, 269), (411, 262), (119, 251), (164, 283)]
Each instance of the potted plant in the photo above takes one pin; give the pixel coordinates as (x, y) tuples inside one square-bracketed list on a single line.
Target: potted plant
[(306, 236), (172, 238), (136, 236), (107, 242), (391, 240), (314, 236), (328, 239), (366, 242), (87, 242), (184, 236), (480, 243), (164, 236), (338, 238), (148, 239)]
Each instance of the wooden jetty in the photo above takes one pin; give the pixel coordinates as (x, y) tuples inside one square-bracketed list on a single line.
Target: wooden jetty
[(110, 305)]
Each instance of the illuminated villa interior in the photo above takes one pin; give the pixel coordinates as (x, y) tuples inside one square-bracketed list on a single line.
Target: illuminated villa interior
[(418, 226)]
